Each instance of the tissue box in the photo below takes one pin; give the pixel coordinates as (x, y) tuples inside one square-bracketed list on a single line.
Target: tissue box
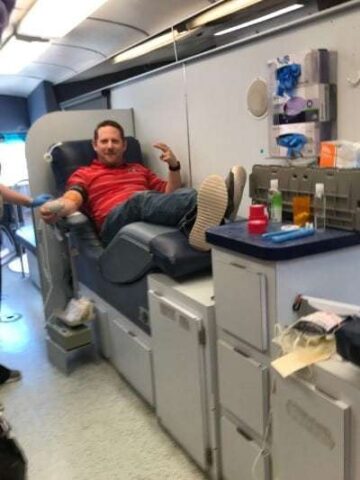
[(315, 132), (310, 103)]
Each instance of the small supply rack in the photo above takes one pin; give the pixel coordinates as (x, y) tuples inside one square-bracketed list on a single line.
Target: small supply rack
[(342, 190)]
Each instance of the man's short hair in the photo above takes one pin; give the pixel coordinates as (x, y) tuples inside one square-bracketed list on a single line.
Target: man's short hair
[(109, 123)]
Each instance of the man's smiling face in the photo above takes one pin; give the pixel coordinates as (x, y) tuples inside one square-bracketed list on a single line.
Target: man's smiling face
[(110, 146)]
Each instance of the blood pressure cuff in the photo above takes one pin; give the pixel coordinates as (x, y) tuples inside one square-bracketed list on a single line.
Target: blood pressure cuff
[(348, 340), (80, 189)]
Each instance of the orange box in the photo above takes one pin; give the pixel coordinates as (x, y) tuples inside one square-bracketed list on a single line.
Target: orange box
[(327, 155)]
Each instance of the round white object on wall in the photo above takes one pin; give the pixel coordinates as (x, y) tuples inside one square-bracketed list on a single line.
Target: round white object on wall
[(258, 98)]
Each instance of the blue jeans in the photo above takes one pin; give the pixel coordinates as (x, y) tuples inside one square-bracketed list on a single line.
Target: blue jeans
[(176, 209)]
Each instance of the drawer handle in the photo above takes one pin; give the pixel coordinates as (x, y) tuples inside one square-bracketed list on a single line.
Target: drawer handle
[(325, 394), (237, 265), (241, 432), (237, 350)]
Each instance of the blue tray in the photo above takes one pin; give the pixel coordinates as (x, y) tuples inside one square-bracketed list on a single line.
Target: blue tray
[(235, 237)]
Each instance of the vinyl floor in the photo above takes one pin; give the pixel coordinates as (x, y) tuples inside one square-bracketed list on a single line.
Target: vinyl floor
[(87, 425)]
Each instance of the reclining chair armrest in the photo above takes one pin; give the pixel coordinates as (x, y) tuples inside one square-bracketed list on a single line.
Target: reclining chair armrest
[(76, 219), (83, 235)]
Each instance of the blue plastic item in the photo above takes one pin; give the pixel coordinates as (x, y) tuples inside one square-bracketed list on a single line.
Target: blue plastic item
[(270, 235), (301, 233), (40, 200), (287, 77), (294, 142)]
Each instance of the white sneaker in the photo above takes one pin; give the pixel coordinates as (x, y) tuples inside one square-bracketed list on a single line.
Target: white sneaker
[(235, 183), (212, 201)]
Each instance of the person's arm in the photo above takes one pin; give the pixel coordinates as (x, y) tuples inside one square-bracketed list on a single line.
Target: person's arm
[(63, 206), (11, 196), (174, 175)]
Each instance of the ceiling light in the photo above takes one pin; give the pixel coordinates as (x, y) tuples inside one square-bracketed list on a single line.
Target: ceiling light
[(56, 18), (16, 53), (264, 18), (150, 45), (220, 11)]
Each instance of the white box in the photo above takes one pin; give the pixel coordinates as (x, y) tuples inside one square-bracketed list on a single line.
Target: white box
[(310, 103), (315, 67), (315, 132)]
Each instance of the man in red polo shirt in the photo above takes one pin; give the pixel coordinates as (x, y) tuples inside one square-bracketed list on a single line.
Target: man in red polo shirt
[(117, 193)]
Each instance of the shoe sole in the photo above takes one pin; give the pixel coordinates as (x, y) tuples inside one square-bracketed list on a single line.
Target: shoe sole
[(11, 380), (211, 206), (239, 185)]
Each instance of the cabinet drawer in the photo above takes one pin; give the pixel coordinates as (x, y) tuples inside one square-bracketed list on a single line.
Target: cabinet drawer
[(241, 456), (243, 385), (132, 359), (179, 373), (309, 425), (241, 302)]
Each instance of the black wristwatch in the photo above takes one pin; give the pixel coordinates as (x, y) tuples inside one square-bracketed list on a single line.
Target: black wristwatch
[(176, 168)]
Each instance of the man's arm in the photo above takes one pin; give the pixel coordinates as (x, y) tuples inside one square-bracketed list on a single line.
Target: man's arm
[(63, 206), (174, 176)]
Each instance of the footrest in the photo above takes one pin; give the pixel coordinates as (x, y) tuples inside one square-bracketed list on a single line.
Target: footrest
[(66, 337), (66, 360)]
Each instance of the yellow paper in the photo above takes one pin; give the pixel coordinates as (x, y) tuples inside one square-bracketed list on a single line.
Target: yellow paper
[(298, 359)]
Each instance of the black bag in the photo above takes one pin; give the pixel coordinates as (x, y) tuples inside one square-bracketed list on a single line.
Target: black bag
[(348, 339), (12, 459)]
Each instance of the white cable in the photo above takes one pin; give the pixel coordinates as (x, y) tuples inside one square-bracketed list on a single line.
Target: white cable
[(48, 155), (263, 448)]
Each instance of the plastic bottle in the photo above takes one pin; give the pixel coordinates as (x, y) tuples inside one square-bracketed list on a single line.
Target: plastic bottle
[(275, 202), (319, 207)]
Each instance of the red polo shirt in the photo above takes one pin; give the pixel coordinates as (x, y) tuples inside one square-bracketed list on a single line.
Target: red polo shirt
[(107, 187)]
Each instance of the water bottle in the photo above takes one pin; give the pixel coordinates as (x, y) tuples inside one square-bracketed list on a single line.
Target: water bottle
[(275, 202), (319, 207)]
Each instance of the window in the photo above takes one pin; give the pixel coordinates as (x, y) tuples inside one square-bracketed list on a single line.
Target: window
[(12, 158)]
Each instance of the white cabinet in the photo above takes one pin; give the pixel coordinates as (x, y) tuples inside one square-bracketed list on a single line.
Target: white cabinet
[(126, 346), (183, 343), (243, 386), (311, 433), (241, 302), (244, 304), (242, 458), (131, 356), (251, 297)]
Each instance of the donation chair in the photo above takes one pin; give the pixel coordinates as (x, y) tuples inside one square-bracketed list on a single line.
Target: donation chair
[(117, 273)]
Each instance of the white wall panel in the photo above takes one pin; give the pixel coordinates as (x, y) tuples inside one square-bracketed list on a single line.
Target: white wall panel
[(221, 131), (159, 115)]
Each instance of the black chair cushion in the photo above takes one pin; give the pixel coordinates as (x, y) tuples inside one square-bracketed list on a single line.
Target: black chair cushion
[(69, 156), (174, 256)]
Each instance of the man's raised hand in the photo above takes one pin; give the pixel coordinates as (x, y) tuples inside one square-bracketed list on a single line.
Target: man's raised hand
[(167, 155)]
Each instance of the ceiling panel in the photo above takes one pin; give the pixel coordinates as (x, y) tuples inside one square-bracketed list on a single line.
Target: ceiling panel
[(114, 27), (151, 16), (102, 36), (76, 58), (50, 72)]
